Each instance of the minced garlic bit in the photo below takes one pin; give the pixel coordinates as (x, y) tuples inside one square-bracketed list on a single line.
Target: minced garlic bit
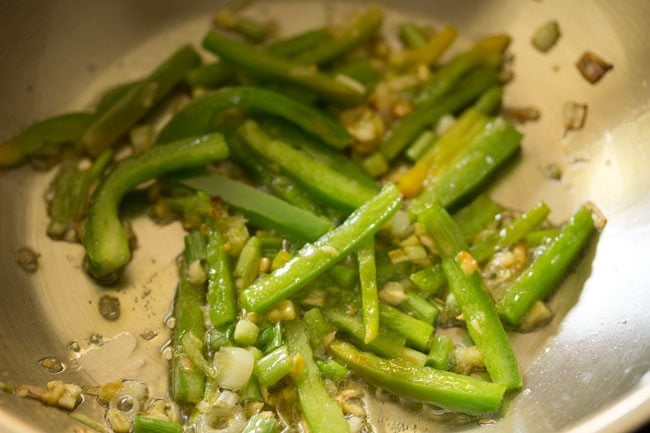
[(574, 116), (366, 126), (106, 391), (350, 401), (467, 262), (196, 273), (521, 114), (265, 265), (468, 359), (283, 311), (298, 365), (593, 67), (27, 259), (63, 395), (546, 36), (392, 293)]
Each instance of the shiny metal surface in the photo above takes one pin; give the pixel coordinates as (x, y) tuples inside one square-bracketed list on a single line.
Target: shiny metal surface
[(587, 371)]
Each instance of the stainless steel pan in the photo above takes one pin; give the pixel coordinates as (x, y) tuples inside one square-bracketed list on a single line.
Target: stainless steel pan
[(587, 371)]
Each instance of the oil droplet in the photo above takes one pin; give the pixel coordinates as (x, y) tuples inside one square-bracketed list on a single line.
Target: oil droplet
[(96, 339), (51, 364)]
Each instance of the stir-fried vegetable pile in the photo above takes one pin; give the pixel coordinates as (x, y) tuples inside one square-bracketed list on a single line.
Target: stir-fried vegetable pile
[(331, 186)]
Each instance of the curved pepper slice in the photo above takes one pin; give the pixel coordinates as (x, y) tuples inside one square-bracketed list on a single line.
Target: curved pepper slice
[(200, 116), (106, 244)]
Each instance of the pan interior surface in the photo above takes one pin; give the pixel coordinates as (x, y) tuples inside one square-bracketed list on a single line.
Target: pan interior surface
[(586, 371)]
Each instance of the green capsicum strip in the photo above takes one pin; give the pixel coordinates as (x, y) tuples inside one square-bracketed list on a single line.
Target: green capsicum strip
[(222, 302), (387, 343), (252, 30), (106, 244), (417, 332), (327, 184), (261, 209), (143, 424), (187, 380), (273, 366), (200, 116), (512, 233), (71, 190), (135, 103), (479, 313), (262, 63), (369, 296), (411, 35), (322, 414), (542, 236), (114, 94), (432, 279), (216, 74), (442, 388), (279, 185), (359, 31), (476, 216), (411, 125), (295, 45), (543, 275), (441, 354), (471, 169), (314, 259), (444, 79), (418, 307), (65, 128), (310, 144)]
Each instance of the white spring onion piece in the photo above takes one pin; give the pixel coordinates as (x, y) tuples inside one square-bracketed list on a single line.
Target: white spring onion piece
[(392, 293), (246, 332), (400, 225), (235, 366), (227, 398), (125, 404), (220, 419)]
